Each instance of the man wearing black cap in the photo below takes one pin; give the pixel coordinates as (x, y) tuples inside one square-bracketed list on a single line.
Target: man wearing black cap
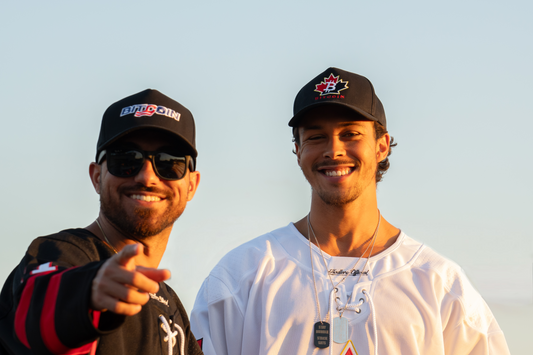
[(342, 280), (98, 290)]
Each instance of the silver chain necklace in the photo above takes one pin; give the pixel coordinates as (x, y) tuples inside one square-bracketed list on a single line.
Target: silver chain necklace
[(108, 243), (324, 259), (321, 329), (340, 325)]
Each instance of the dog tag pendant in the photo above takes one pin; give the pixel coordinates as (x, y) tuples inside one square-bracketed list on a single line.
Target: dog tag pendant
[(321, 335), (340, 330)]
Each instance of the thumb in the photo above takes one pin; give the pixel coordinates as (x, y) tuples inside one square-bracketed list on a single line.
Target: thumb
[(128, 253)]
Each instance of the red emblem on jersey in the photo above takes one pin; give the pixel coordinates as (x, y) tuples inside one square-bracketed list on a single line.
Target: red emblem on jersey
[(331, 86), (349, 349), (46, 267)]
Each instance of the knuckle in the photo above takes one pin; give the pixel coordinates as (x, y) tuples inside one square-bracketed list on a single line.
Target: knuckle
[(107, 272), (135, 297), (99, 285), (129, 296), (145, 300), (116, 308), (126, 309), (136, 278)]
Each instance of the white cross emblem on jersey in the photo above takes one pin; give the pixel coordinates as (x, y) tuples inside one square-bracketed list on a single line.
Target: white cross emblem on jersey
[(46, 267)]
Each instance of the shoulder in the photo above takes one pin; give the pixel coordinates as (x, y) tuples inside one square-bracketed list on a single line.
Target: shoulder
[(274, 245), (453, 288), (408, 253), (75, 246), (429, 268), (168, 292), (241, 266), (448, 271)]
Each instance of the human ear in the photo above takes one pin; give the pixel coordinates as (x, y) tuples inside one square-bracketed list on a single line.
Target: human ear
[(382, 147), (95, 172), (297, 151), (194, 181)]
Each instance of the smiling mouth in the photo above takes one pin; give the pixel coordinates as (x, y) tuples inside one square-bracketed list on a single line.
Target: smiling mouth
[(337, 172), (145, 198)]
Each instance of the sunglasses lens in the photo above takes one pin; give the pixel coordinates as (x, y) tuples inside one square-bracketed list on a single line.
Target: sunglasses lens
[(128, 163), (170, 167), (124, 163)]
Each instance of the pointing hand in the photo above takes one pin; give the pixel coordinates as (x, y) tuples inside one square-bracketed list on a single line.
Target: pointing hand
[(121, 286)]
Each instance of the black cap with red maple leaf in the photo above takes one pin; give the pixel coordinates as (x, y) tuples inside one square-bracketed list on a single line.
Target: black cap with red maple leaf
[(339, 87)]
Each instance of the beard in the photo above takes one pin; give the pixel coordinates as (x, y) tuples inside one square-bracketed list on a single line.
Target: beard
[(342, 196), (141, 223), (339, 198)]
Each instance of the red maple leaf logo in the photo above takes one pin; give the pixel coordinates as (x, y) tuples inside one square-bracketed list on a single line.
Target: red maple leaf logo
[(331, 85)]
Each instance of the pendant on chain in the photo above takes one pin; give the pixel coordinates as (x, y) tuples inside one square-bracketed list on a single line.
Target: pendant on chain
[(321, 335), (340, 330)]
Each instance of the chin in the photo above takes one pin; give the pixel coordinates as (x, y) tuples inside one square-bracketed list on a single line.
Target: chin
[(338, 199)]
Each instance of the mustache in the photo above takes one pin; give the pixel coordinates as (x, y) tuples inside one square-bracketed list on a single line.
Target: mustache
[(141, 188), (333, 163)]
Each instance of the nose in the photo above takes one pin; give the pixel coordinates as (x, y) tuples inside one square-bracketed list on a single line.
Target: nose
[(147, 175), (335, 148)]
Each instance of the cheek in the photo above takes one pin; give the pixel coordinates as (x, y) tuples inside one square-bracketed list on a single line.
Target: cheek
[(101, 184), (303, 158), (306, 151), (180, 190), (370, 150), (109, 186)]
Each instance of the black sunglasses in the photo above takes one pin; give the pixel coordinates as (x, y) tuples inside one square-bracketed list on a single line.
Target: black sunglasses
[(126, 162)]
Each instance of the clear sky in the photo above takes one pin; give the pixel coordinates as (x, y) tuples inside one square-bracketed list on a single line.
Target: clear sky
[(454, 77)]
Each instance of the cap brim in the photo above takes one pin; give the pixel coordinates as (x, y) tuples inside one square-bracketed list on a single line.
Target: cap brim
[(296, 119), (191, 150)]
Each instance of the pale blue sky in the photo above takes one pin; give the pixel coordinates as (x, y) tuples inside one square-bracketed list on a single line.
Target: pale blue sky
[(454, 77)]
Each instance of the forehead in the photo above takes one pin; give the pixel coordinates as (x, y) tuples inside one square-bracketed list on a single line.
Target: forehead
[(327, 116), (151, 139)]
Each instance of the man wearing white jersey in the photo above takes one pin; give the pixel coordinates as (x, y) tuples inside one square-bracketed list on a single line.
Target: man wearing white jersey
[(342, 280)]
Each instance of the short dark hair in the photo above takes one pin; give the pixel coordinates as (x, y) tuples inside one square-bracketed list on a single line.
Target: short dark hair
[(379, 131)]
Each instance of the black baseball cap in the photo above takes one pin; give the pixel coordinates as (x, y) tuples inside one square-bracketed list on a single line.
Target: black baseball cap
[(147, 109), (339, 87)]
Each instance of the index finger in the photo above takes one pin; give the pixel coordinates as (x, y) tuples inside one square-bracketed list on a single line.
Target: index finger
[(157, 275)]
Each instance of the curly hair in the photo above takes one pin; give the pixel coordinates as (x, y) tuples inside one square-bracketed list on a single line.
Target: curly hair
[(379, 131)]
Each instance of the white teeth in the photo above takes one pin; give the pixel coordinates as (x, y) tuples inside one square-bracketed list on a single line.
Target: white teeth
[(337, 172), (145, 198)]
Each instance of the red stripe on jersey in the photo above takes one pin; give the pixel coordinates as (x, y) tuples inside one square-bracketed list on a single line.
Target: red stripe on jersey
[(22, 312), (47, 321), (95, 317), (93, 349), (96, 321), (24, 306)]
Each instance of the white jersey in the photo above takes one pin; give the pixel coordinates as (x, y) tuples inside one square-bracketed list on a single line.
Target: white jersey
[(261, 299)]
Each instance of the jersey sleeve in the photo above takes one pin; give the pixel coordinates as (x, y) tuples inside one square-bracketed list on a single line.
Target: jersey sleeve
[(469, 325), (50, 296), (217, 321)]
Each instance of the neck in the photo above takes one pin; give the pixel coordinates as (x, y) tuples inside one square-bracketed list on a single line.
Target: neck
[(347, 230), (154, 247)]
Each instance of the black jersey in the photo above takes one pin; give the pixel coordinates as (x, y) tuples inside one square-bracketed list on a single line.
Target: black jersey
[(44, 306)]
